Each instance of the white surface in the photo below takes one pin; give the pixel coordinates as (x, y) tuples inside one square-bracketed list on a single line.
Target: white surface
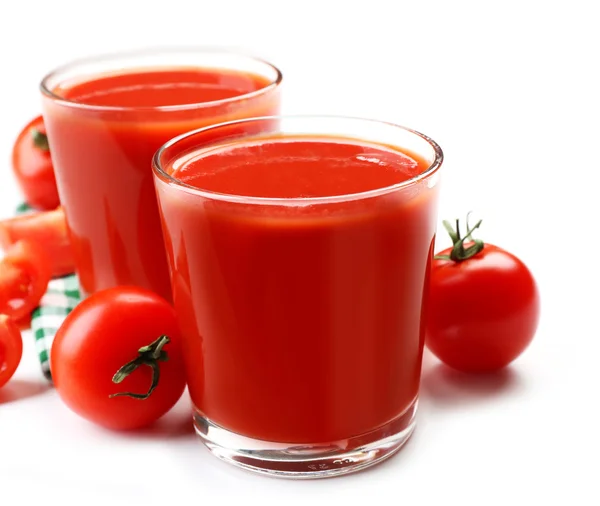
[(510, 91)]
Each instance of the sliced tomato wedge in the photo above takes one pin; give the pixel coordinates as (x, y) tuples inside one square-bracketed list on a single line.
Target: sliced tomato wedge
[(11, 348), (48, 230), (24, 276)]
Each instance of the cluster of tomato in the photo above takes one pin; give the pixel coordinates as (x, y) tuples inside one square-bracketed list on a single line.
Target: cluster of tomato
[(483, 309), (36, 246), (108, 336)]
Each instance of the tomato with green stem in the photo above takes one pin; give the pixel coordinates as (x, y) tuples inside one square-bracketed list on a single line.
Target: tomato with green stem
[(116, 360), (32, 166), (11, 349), (484, 304)]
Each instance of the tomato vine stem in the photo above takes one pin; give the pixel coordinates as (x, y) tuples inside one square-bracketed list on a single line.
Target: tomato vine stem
[(459, 252), (40, 139), (149, 356)]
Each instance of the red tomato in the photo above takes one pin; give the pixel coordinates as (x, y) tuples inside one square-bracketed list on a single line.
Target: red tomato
[(483, 305), (114, 343), (33, 168), (48, 230), (11, 348), (24, 277), (24, 323)]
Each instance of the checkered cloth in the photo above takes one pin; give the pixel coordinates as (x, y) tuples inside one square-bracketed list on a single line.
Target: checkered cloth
[(59, 300)]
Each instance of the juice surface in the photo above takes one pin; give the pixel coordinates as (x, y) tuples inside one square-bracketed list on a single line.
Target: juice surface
[(295, 168), (167, 87), (103, 160), (302, 323)]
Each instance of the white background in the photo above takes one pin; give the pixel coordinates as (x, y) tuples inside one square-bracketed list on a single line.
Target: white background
[(510, 92)]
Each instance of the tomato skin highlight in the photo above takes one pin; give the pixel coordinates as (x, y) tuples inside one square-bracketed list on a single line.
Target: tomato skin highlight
[(48, 229), (11, 349), (24, 277), (483, 311), (103, 333), (33, 169)]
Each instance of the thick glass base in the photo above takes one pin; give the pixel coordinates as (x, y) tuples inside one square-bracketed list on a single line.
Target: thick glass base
[(307, 461)]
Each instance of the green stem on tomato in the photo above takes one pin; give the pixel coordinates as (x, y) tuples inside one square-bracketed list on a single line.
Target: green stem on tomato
[(459, 253), (149, 356), (40, 139)]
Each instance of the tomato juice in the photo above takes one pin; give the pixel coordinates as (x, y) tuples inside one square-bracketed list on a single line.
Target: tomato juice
[(105, 119), (299, 267)]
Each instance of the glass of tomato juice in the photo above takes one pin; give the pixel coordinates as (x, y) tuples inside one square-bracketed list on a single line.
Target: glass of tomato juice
[(106, 116), (299, 252)]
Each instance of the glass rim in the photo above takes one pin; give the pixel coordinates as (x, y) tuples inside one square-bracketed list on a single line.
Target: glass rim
[(156, 51), (159, 171)]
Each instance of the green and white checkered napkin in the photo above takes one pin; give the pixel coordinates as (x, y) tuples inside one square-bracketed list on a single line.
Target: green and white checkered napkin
[(59, 300)]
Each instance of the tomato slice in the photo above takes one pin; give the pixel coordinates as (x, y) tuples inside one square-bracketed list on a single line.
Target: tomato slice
[(46, 229), (24, 277), (11, 348)]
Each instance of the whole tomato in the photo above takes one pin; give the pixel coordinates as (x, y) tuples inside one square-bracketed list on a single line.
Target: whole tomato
[(116, 360), (484, 305), (32, 166)]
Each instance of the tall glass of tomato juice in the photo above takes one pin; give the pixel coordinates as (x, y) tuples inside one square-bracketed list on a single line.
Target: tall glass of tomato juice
[(106, 117), (299, 251)]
